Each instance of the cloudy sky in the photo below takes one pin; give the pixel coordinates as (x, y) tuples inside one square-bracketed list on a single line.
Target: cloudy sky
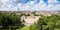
[(30, 5)]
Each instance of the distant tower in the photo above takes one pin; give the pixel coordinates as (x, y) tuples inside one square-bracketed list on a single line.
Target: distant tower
[(19, 7)]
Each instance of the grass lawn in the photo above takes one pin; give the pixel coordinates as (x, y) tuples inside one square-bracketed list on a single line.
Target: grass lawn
[(25, 28)]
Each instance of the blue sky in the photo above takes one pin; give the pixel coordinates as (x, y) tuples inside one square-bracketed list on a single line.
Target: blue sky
[(39, 0), (30, 5), (25, 1)]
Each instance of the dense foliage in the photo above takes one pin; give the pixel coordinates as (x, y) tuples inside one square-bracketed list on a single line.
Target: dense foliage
[(10, 21), (47, 23), (13, 21)]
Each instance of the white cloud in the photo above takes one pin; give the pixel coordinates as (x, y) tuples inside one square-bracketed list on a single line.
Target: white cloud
[(41, 6), (31, 6), (32, 2), (52, 1), (5, 6)]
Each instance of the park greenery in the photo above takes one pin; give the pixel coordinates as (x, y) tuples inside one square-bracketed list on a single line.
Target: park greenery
[(47, 23), (10, 21)]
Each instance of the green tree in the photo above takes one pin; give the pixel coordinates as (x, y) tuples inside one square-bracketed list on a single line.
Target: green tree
[(10, 21), (48, 23)]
